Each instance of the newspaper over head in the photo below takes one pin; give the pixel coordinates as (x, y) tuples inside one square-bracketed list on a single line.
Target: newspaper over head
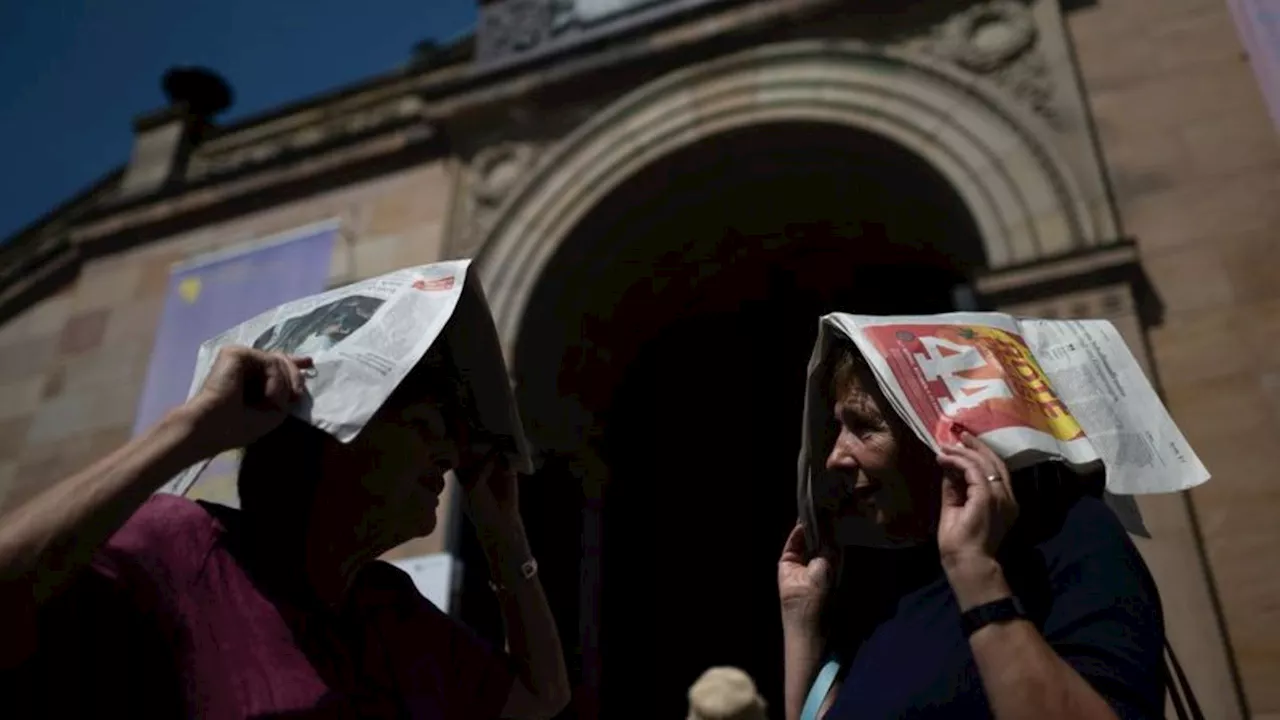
[(364, 338), (1033, 390)]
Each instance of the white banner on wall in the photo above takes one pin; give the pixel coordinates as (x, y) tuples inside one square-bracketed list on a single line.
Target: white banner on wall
[(433, 575)]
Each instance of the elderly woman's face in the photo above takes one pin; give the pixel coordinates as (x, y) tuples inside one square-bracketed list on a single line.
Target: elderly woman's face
[(880, 482), (393, 472)]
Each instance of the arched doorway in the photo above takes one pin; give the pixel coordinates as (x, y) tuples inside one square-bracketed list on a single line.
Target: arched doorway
[(666, 340)]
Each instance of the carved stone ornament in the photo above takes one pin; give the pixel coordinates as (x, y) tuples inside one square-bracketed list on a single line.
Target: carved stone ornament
[(988, 36), (496, 169), (511, 27), (998, 40), (490, 176)]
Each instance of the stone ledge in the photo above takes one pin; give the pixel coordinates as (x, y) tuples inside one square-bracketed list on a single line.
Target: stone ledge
[(1112, 264)]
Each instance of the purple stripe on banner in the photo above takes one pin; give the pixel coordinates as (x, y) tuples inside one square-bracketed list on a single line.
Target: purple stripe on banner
[(1259, 25), (211, 298)]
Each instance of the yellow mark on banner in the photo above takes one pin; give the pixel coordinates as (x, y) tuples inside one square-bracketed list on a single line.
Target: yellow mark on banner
[(189, 289), (218, 483)]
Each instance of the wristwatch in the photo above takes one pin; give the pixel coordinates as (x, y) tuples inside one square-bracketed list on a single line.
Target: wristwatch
[(528, 569), (1002, 610)]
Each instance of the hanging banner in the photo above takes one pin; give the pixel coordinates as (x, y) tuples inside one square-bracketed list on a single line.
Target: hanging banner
[(1259, 24), (211, 294)]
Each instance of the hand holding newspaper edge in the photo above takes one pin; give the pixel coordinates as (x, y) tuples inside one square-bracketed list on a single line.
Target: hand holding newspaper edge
[(1034, 390), (366, 337)]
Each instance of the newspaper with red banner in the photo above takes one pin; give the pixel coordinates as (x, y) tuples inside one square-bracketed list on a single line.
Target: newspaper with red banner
[(1033, 390), (364, 338)]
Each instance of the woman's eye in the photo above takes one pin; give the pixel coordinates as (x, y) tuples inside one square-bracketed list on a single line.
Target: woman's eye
[(857, 424), (425, 418)]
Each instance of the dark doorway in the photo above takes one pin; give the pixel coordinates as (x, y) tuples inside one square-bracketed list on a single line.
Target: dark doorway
[(668, 339)]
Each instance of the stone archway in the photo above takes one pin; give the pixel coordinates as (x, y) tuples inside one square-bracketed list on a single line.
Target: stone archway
[(662, 353), (1022, 195)]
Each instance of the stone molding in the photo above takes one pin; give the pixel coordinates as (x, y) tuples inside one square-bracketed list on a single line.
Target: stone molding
[(998, 40), (486, 180), (215, 159), (1106, 282), (1026, 201)]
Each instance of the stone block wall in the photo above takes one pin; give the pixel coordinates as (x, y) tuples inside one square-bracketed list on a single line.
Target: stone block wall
[(72, 367), (1194, 160)]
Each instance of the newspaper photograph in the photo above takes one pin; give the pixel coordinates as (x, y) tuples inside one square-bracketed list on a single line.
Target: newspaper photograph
[(364, 338), (1034, 390)]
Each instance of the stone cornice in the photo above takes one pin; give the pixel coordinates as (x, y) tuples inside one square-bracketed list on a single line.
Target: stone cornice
[(1114, 264), (250, 153), (41, 256), (195, 197)]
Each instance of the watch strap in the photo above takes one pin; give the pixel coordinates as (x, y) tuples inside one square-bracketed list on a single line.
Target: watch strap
[(1002, 610), (528, 569)]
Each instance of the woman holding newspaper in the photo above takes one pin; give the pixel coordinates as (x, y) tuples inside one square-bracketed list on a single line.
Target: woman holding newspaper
[(115, 599), (969, 604)]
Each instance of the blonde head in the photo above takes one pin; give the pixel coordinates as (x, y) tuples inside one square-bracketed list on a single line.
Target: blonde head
[(725, 693)]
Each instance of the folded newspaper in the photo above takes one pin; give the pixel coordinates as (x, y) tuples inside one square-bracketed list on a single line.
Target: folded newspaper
[(364, 338), (1033, 390)]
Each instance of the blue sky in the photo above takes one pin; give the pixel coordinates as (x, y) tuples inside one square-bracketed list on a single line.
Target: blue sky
[(74, 73)]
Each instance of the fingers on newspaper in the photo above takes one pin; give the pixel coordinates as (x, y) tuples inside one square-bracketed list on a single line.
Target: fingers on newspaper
[(1034, 390), (364, 338)]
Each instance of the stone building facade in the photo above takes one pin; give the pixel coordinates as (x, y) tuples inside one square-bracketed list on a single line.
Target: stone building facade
[(635, 177)]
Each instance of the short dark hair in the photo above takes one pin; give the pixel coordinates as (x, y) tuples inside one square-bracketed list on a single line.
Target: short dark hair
[(846, 367), (437, 378), (281, 469)]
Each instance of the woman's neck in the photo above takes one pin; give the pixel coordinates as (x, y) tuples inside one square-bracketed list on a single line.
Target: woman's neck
[(304, 562)]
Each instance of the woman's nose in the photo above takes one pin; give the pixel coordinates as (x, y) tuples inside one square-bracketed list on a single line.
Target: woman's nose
[(841, 456)]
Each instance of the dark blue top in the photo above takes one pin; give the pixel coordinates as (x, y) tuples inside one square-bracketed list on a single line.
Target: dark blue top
[(1081, 581)]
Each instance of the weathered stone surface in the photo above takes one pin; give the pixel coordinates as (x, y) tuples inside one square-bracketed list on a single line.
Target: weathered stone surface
[(1252, 263), (421, 198), (8, 471), (153, 274), (134, 322), (377, 255), (13, 436), (45, 318), (1195, 210), (107, 282), (121, 363), (27, 357), (1189, 347), (1190, 278), (74, 414), (1195, 162), (83, 332), (20, 397)]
